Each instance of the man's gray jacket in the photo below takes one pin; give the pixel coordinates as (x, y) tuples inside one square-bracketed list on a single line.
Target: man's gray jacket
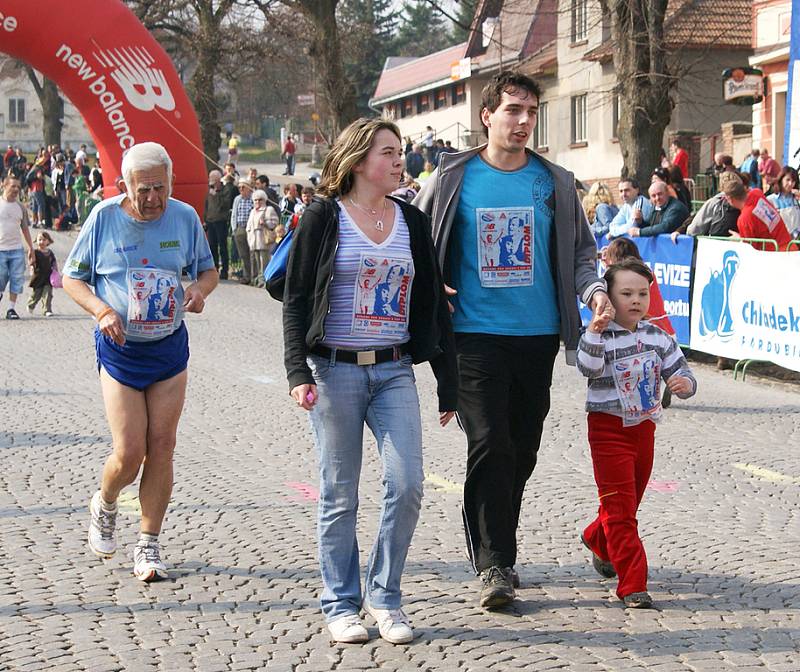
[(573, 251)]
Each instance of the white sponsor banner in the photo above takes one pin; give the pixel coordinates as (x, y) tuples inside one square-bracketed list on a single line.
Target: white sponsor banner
[(745, 303)]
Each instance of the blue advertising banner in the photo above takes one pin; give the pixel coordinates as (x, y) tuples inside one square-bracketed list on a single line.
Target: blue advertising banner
[(671, 264), (791, 134)]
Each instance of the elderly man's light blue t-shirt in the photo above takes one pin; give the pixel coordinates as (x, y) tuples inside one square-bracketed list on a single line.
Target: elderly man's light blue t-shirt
[(136, 267), (499, 251)]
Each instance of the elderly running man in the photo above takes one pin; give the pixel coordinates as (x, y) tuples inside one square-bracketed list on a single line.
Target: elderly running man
[(133, 250)]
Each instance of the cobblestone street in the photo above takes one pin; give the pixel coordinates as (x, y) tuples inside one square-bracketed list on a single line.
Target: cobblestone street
[(720, 522)]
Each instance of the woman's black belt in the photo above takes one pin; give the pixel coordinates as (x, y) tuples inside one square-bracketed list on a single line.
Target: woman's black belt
[(363, 357)]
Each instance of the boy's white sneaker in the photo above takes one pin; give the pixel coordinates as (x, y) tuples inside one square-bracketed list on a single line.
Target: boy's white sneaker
[(147, 564), (102, 528), (348, 629), (393, 624)]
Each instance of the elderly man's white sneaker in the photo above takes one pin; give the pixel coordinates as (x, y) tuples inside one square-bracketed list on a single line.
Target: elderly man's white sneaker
[(393, 624), (348, 630)]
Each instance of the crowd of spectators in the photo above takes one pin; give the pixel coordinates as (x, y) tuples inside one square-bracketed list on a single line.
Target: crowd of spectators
[(58, 186), (759, 200)]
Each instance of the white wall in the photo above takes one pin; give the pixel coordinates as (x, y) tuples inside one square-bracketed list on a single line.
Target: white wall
[(29, 136)]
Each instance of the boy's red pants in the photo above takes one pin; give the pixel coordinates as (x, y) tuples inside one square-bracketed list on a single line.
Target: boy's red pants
[(622, 458)]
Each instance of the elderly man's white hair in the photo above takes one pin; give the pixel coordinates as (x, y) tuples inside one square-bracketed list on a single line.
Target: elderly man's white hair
[(146, 156)]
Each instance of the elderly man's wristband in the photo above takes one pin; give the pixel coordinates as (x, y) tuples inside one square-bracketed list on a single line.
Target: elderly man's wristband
[(106, 311)]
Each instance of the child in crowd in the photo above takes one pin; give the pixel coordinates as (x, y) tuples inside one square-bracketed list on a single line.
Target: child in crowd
[(44, 264), (623, 357)]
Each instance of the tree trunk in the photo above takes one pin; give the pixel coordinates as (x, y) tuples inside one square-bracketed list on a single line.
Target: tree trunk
[(52, 107), (327, 54), (644, 84), (53, 113)]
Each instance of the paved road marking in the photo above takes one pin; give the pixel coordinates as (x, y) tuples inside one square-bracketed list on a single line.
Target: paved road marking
[(129, 504), (663, 486), (303, 491), (766, 474), (443, 484)]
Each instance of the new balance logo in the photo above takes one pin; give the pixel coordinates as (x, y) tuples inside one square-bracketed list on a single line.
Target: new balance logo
[(132, 69)]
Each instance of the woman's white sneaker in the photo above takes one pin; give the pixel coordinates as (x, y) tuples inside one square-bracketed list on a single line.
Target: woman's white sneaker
[(348, 630), (393, 624), (102, 528)]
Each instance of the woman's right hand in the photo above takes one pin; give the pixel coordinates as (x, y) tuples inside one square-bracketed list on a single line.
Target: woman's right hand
[(305, 395)]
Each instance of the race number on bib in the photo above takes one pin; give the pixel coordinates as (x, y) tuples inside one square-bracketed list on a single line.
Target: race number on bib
[(383, 288), (151, 302), (637, 379), (505, 246)]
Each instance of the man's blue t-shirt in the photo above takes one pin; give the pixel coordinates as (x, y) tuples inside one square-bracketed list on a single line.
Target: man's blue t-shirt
[(499, 251), (135, 267)]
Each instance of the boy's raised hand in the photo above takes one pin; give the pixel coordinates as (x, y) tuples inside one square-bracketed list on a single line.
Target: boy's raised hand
[(600, 320)]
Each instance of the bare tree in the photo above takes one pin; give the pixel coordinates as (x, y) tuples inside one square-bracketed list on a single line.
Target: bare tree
[(52, 107), (325, 50), (644, 82)]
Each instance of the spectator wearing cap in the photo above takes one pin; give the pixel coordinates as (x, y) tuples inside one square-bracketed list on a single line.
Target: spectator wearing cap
[(240, 212)]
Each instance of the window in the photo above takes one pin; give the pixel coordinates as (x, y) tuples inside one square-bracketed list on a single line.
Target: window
[(540, 132), (579, 21), (16, 110), (459, 94), (440, 99), (424, 103), (614, 116), (578, 119), (2, 123), (406, 107), (390, 112)]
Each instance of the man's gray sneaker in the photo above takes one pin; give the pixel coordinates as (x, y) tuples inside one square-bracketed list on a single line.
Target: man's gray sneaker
[(147, 564), (497, 590), (102, 528)]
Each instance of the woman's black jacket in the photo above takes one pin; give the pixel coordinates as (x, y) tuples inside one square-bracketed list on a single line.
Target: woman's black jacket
[(305, 298)]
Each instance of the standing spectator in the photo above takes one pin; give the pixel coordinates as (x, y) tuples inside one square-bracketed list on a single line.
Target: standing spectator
[(785, 198), (750, 166), (289, 202), (661, 174), (233, 149), (716, 217), (415, 162), (289, 150), (769, 169), (680, 158), (14, 230), (599, 207), (306, 196), (262, 182), (438, 148), (216, 217), (38, 201), (427, 171), (634, 211), (240, 212), (409, 146), (352, 329), (43, 265), (668, 213), (260, 229), (758, 218), (507, 327), (8, 157), (427, 141), (81, 155), (681, 190)]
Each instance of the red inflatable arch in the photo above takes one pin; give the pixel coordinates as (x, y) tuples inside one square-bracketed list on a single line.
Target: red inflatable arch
[(115, 73)]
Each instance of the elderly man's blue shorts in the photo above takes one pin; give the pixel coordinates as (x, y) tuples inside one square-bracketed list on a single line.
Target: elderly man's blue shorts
[(139, 364)]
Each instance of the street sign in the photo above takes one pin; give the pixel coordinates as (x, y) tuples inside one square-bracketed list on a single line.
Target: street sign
[(305, 99)]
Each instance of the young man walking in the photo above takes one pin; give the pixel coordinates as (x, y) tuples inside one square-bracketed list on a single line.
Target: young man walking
[(515, 248)]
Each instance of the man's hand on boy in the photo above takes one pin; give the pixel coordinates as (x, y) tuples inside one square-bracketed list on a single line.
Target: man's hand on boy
[(679, 385)]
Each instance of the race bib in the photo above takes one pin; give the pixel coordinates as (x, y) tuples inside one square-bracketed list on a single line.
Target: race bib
[(767, 214), (383, 288), (637, 379), (505, 246), (151, 302)]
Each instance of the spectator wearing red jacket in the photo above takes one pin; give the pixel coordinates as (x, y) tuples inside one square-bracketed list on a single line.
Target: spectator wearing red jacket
[(758, 217), (680, 158)]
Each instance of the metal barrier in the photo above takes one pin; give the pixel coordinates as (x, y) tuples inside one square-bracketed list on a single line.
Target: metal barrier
[(731, 239), (795, 243)]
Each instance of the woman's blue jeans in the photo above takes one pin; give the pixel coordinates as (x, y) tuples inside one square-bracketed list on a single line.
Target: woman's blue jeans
[(384, 396)]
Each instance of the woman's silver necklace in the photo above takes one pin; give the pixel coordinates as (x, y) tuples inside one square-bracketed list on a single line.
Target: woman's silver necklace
[(371, 212)]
